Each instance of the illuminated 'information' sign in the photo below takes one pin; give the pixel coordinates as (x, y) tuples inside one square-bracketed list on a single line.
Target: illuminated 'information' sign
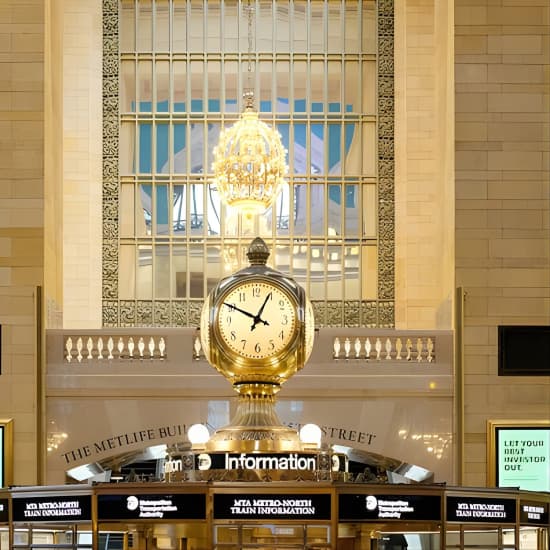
[(523, 457)]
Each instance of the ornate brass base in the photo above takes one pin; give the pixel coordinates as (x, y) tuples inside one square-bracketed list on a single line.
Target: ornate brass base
[(255, 426)]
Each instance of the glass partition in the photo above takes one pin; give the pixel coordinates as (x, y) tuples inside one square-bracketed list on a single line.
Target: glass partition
[(52, 536)]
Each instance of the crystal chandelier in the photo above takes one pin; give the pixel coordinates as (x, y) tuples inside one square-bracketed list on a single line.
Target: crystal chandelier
[(249, 160)]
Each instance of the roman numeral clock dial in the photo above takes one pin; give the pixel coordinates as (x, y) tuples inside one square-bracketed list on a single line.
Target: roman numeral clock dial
[(256, 319)]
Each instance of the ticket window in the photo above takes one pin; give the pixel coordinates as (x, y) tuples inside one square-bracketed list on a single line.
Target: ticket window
[(374, 536), (4, 537), (481, 538), (153, 536), (533, 538), (271, 537), (46, 536)]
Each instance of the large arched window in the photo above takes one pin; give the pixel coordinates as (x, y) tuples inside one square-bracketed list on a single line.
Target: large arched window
[(174, 75)]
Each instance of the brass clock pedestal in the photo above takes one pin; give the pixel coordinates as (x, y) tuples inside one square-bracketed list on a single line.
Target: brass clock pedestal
[(257, 330), (255, 426)]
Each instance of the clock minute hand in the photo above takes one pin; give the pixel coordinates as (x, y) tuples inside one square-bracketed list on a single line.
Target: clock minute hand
[(258, 316), (244, 312)]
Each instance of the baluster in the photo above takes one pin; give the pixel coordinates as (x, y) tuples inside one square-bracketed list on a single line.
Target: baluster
[(368, 348), (378, 348), (347, 347), (100, 348), (419, 349), (120, 347), (408, 347), (398, 348), (357, 347), (151, 347), (162, 347), (388, 349), (430, 346), (79, 349), (89, 347), (69, 348), (110, 347), (141, 347), (131, 347), (197, 347), (336, 348)]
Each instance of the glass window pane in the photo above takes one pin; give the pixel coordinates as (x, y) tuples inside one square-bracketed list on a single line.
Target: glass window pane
[(369, 87), (214, 86), (281, 27), (162, 271), (145, 86), (163, 164), (127, 210), (145, 26), (180, 86), (369, 27), (317, 209), (126, 272), (352, 87), (195, 27), (299, 159), (352, 291), (213, 25), (213, 210), (317, 27), (179, 27), (231, 69), (214, 267), (128, 87), (126, 154), (317, 86), (266, 86), (317, 272), (197, 86), (145, 148), (299, 25), (162, 26), (300, 86), (163, 85), (352, 165), (334, 41), (334, 210), (369, 149), (196, 209), (230, 27), (282, 258), (369, 212), (144, 275), (213, 139), (197, 149), (282, 211), (317, 148), (300, 209), (282, 69), (264, 27), (334, 149), (179, 151), (127, 26), (179, 210), (299, 264), (179, 262), (352, 35), (144, 217), (334, 84), (196, 271), (162, 226), (351, 211), (334, 272)]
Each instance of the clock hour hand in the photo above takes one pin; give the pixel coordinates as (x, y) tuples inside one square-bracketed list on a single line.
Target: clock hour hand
[(258, 316), (233, 307)]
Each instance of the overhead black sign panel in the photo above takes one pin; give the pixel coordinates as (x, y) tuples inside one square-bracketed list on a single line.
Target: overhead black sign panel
[(4, 510), (535, 513), (57, 508), (136, 506), (367, 507), (481, 510), (269, 506)]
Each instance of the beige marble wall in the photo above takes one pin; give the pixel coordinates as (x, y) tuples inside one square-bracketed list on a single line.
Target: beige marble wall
[(82, 149), (424, 186), (502, 66), (21, 219)]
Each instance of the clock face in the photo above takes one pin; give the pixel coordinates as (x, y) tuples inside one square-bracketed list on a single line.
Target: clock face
[(256, 320)]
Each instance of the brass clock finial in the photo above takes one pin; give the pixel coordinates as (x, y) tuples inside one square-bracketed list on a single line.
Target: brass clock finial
[(258, 253)]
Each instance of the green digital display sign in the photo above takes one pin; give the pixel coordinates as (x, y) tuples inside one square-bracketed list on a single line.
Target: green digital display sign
[(522, 457)]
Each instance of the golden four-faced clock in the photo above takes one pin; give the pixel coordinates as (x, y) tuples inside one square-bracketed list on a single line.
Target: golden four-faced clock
[(257, 325)]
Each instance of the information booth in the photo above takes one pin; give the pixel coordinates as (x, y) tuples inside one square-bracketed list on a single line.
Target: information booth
[(305, 515)]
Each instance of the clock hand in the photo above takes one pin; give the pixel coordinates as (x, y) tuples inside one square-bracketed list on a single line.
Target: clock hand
[(235, 308), (258, 316)]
